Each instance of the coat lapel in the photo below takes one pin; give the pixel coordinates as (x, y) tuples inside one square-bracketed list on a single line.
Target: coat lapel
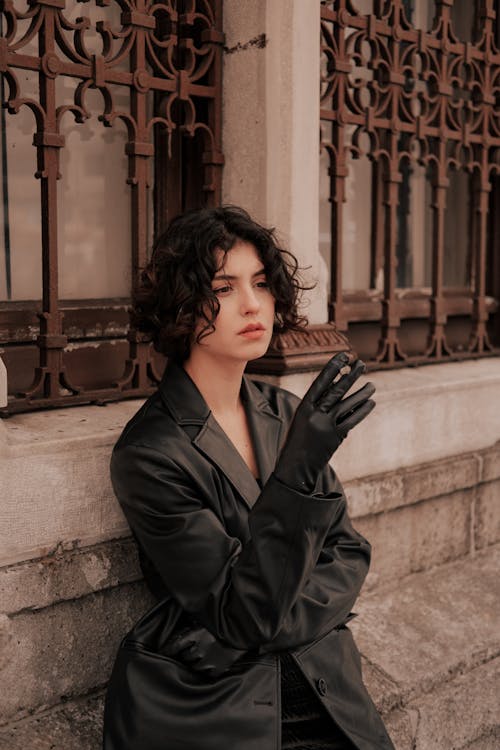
[(189, 409), (265, 427)]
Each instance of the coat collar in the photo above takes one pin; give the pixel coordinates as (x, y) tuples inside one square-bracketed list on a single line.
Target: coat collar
[(190, 410)]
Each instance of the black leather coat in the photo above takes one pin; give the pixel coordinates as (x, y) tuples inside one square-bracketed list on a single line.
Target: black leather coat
[(262, 571)]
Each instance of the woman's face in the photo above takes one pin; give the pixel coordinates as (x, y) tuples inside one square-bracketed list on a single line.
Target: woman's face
[(244, 324)]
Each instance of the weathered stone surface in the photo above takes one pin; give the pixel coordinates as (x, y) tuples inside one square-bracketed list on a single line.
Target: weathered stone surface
[(434, 624), (401, 727), (459, 712), (68, 575), (490, 741), (487, 514), (383, 492), (415, 538), (56, 490), (375, 494), (491, 463), (76, 725), (385, 692), (57, 501), (67, 649)]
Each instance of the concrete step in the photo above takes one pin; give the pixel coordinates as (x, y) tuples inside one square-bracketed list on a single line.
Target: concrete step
[(431, 651), (431, 661), (76, 725)]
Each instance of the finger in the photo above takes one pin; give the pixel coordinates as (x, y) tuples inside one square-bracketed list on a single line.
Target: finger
[(325, 377), (336, 391), (354, 401), (347, 424)]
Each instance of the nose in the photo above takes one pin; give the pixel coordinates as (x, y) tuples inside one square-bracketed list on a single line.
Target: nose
[(249, 302)]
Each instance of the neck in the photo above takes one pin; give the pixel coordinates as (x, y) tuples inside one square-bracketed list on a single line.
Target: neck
[(219, 382)]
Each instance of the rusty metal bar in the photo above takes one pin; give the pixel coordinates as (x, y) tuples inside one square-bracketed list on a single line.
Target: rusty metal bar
[(173, 49), (422, 96)]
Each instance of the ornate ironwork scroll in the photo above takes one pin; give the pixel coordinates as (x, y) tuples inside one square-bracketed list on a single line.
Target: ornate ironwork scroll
[(427, 97), (167, 56)]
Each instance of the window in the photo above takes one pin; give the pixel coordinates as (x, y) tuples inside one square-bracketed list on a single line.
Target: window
[(410, 189), (123, 108)]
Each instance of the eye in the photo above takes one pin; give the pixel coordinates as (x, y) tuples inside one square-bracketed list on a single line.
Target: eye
[(222, 289), (264, 284)]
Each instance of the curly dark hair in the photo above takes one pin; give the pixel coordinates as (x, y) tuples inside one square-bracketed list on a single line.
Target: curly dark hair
[(175, 290)]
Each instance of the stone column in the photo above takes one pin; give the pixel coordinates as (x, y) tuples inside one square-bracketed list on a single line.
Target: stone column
[(271, 125)]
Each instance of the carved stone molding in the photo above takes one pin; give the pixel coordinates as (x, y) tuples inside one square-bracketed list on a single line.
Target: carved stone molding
[(303, 351)]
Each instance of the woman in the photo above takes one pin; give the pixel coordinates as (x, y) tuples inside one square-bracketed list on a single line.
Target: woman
[(241, 524)]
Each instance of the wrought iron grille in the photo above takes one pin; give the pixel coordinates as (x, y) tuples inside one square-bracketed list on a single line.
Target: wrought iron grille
[(405, 96), (165, 57)]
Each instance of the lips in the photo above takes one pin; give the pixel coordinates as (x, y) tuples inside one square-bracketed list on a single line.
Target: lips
[(253, 327)]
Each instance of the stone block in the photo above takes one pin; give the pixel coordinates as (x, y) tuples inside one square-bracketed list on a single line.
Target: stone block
[(68, 575), (375, 494), (432, 625), (417, 537), (395, 489), (440, 478), (461, 712), (67, 649), (487, 514)]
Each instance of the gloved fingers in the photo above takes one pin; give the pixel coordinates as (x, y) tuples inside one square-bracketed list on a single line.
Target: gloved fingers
[(355, 417), (325, 377), (336, 391), (180, 641), (354, 401)]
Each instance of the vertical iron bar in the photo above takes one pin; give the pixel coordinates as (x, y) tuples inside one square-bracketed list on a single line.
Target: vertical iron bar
[(5, 186)]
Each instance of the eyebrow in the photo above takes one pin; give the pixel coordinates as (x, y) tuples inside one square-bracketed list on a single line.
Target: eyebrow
[(226, 277)]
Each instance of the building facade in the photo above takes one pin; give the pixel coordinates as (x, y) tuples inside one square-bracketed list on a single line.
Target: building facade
[(368, 133)]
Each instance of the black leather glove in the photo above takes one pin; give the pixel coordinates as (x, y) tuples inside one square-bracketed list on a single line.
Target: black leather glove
[(199, 650), (321, 422)]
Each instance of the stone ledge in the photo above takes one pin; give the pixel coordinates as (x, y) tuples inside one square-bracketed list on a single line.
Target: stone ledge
[(423, 414)]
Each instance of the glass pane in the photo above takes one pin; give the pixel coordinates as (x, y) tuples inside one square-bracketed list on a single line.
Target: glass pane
[(414, 243), (457, 234), (420, 13), (463, 19), (20, 240), (93, 204), (356, 240), (94, 233), (325, 208)]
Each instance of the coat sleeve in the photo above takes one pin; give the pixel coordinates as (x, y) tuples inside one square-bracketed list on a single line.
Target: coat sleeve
[(242, 593), (334, 584)]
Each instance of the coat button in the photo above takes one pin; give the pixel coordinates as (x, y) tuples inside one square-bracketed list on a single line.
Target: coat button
[(322, 686)]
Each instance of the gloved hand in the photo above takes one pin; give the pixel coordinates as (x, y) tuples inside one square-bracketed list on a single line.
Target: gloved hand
[(199, 650), (321, 422)]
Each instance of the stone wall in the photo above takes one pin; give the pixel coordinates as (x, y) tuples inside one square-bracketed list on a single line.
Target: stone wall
[(69, 578)]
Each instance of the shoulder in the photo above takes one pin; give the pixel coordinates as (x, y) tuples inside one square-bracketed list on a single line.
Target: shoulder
[(152, 426)]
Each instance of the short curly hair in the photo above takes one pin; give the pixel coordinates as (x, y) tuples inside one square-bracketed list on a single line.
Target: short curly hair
[(175, 290)]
